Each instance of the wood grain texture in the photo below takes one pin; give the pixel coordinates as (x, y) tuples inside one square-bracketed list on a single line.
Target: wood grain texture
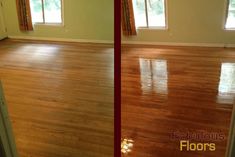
[(60, 97), (179, 90)]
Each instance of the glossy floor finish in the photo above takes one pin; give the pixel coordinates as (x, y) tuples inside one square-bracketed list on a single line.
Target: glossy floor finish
[(176, 93), (60, 97)]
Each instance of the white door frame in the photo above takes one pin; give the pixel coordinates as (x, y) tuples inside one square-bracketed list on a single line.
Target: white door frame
[(231, 140), (6, 135), (3, 31)]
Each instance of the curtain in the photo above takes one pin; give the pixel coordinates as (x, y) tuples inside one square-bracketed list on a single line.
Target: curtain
[(24, 15), (128, 20)]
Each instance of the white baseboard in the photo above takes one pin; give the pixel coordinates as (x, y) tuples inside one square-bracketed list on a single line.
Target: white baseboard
[(230, 45), (62, 39), (179, 44), (126, 42)]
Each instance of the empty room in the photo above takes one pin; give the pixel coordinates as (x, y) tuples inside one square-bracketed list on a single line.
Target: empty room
[(56, 71), (177, 77)]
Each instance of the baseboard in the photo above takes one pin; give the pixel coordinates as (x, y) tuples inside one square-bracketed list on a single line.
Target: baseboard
[(179, 44), (3, 38), (230, 45), (127, 42), (62, 39)]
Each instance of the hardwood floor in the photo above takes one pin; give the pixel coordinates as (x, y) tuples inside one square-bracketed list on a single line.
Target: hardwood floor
[(60, 97), (176, 93)]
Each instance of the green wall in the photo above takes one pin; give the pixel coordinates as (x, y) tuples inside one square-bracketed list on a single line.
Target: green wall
[(191, 21), (84, 19)]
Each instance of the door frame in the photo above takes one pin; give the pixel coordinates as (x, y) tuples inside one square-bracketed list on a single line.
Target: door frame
[(231, 140), (6, 134), (2, 20)]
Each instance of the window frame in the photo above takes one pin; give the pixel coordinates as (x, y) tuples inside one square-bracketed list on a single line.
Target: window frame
[(156, 27), (51, 24), (225, 17)]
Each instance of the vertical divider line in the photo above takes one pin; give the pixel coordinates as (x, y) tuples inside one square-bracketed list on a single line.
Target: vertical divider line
[(146, 13), (226, 13), (43, 15), (62, 11), (117, 77)]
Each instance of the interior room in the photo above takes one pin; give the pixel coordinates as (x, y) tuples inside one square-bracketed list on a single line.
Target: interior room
[(178, 77), (56, 70)]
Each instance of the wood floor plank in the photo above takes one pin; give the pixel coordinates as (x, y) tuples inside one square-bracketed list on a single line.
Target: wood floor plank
[(168, 90), (60, 97)]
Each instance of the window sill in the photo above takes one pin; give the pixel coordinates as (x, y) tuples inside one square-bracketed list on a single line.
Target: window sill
[(229, 29), (152, 28), (49, 24)]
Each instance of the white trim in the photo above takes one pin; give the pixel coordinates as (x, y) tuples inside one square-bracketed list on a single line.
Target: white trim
[(3, 21), (230, 45), (62, 39), (179, 44), (225, 14), (166, 14), (49, 24), (229, 29), (7, 138), (153, 28), (62, 12)]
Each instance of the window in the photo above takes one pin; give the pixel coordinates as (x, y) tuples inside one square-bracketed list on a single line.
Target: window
[(46, 11), (149, 13), (230, 22)]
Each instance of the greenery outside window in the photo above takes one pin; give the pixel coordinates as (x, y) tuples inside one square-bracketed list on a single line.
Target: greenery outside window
[(149, 13), (46, 11)]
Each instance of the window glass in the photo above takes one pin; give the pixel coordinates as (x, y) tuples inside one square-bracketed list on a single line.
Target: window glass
[(52, 11), (36, 11), (139, 12), (156, 13)]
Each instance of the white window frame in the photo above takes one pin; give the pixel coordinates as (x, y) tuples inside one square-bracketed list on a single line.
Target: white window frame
[(52, 24), (226, 7), (156, 27)]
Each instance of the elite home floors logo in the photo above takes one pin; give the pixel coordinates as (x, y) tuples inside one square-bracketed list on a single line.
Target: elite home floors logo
[(192, 146), (197, 141)]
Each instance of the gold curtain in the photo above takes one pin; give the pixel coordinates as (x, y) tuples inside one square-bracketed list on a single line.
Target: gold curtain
[(24, 15), (128, 19)]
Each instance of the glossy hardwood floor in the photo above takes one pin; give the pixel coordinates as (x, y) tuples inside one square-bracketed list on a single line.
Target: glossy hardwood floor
[(171, 93), (60, 97)]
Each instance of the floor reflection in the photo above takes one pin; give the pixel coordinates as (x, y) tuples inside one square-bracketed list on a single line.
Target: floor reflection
[(226, 89), (126, 145), (154, 76), (39, 52)]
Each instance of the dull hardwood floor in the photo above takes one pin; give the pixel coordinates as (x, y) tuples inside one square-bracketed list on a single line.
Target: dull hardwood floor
[(176, 93), (60, 97)]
